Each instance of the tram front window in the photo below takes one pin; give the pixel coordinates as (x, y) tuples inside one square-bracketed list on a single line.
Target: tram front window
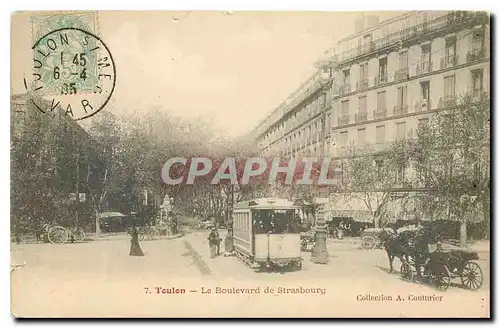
[(276, 221)]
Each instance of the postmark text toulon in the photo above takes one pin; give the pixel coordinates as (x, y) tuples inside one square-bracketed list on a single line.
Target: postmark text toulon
[(72, 69)]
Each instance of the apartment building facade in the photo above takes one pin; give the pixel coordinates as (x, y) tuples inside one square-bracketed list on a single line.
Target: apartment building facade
[(390, 78)]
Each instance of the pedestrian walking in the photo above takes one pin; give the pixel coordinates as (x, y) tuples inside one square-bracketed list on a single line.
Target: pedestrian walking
[(135, 248), (214, 242)]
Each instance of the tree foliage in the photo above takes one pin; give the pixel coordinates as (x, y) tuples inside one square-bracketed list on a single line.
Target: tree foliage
[(451, 157)]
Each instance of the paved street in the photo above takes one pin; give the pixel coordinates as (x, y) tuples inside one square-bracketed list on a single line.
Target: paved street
[(100, 279)]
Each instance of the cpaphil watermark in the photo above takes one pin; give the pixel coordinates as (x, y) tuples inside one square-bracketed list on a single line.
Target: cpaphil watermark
[(304, 171)]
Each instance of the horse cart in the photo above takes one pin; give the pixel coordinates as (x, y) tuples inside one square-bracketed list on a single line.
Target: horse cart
[(444, 266)]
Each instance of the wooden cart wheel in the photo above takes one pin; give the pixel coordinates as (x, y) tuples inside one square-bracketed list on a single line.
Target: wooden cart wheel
[(406, 271), (472, 276), (78, 235), (57, 235), (368, 242), (442, 279)]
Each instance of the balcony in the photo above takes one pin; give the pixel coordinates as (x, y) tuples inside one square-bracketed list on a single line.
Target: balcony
[(447, 101), (344, 120), (362, 85), (449, 61), (381, 79), (380, 113), (402, 74), (422, 105), (475, 54), (360, 116), (400, 110), (424, 67), (443, 24)]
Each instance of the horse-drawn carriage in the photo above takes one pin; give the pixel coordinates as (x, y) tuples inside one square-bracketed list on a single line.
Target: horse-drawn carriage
[(443, 266), (436, 267)]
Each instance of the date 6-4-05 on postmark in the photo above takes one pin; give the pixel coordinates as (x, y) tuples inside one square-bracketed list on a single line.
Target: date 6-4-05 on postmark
[(73, 69)]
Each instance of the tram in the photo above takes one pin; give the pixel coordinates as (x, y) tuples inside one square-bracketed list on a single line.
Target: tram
[(266, 233)]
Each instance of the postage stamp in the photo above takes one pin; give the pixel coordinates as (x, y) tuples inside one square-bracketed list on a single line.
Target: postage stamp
[(75, 69), (45, 24)]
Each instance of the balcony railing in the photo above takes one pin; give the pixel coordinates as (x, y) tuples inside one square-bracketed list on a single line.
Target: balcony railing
[(447, 101), (449, 61), (400, 110), (476, 54), (362, 85), (380, 79), (424, 67), (360, 116), (380, 113), (344, 119), (402, 74), (422, 105), (446, 21)]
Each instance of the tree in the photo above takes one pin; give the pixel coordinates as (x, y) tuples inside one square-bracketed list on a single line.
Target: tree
[(371, 177), (451, 156)]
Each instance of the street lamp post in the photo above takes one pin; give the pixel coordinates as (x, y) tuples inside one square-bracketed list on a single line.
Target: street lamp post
[(326, 67)]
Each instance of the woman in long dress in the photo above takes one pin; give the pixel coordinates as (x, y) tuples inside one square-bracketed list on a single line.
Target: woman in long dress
[(135, 248)]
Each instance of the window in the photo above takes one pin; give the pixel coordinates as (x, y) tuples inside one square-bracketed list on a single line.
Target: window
[(449, 86), (381, 97), (343, 138), (425, 88), (402, 96), (426, 58), (367, 40), (361, 137), (363, 69), (380, 134), (362, 104), (382, 71), (347, 76), (403, 60), (477, 40), (400, 131), (345, 108), (477, 82), (450, 50)]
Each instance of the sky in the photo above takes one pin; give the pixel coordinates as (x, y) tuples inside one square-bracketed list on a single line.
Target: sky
[(234, 68)]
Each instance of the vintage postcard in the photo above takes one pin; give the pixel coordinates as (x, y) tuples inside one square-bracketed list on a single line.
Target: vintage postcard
[(200, 164)]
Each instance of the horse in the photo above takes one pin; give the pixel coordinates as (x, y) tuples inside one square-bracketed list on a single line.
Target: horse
[(396, 245), (409, 244)]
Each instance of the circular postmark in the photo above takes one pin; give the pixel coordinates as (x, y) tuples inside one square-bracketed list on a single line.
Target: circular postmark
[(73, 70)]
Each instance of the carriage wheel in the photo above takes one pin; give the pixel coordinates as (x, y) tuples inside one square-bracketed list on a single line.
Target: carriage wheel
[(78, 235), (472, 276), (368, 242), (442, 279), (406, 271), (57, 235)]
